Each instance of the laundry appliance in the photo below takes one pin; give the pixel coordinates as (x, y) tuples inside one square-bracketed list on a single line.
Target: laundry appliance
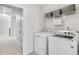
[(63, 42), (41, 43)]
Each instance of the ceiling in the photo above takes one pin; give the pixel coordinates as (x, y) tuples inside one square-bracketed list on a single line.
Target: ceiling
[(53, 5), (42, 5)]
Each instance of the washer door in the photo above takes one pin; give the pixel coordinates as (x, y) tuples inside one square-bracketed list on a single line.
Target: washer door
[(59, 46)]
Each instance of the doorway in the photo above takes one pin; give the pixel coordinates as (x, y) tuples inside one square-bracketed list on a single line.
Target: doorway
[(11, 30)]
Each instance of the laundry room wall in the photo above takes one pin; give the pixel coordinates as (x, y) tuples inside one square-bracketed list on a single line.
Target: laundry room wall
[(51, 27), (49, 22), (70, 20), (33, 22)]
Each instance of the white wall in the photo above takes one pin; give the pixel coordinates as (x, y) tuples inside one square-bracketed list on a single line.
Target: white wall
[(71, 20), (49, 22), (32, 23), (51, 27), (5, 24)]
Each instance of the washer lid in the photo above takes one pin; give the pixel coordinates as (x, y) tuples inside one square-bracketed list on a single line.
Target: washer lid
[(44, 34), (63, 36)]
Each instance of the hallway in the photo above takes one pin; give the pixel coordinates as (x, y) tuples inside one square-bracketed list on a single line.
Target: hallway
[(9, 47)]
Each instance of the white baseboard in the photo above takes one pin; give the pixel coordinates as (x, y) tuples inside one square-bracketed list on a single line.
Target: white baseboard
[(27, 53)]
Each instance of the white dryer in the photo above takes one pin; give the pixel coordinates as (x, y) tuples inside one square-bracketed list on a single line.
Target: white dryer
[(41, 43), (63, 43)]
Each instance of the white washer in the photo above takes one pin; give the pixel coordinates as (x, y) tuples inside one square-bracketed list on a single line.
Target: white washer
[(59, 45), (41, 43)]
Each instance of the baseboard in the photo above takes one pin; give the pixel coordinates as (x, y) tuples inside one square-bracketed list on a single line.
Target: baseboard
[(27, 53)]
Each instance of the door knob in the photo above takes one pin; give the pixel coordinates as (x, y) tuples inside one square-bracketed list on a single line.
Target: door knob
[(72, 47)]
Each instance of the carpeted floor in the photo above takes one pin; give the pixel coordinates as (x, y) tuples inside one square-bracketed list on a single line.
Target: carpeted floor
[(9, 47)]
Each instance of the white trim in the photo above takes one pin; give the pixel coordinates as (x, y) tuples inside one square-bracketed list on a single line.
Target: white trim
[(28, 52)]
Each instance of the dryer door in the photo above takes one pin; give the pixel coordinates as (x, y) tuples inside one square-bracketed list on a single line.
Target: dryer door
[(40, 45)]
